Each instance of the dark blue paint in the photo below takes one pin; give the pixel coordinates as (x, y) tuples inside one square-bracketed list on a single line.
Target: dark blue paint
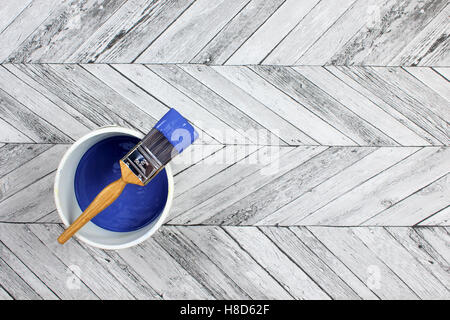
[(137, 206), (180, 133)]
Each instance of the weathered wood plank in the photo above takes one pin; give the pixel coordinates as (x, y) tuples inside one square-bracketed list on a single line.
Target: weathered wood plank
[(274, 261), (363, 262), (444, 72), (272, 32), (4, 295), (247, 104), (306, 259), (31, 251), (294, 213), (307, 31), (27, 122), (40, 105), (416, 207), (13, 156), (384, 189), (192, 156), (432, 79), (211, 210), (441, 218), (199, 265), (64, 31), (438, 238), (400, 261), (234, 262), (203, 20), (17, 287), (129, 31), (323, 105), (9, 134), (287, 187), (315, 129), (360, 105), (10, 10), (236, 32), (162, 272)]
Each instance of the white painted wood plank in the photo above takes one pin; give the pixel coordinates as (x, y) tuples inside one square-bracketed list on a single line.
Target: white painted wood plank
[(309, 29), (203, 20), (385, 189), (364, 89), (199, 265), (31, 251), (416, 207), (445, 72), (10, 134), (334, 263), (181, 212), (305, 176), (306, 259), (12, 156), (363, 262), (306, 204), (237, 31), (273, 31), (272, 259), (441, 218), (95, 276), (247, 104), (162, 272), (317, 130), (419, 249), (360, 105), (400, 261), (16, 286), (4, 295), (438, 238), (432, 79), (10, 10), (191, 156), (210, 211), (40, 105), (234, 262)]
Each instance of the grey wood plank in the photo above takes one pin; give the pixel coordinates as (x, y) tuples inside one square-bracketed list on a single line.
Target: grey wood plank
[(384, 189), (199, 265), (315, 129), (13, 156), (234, 262), (334, 263), (323, 105), (129, 31), (31, 171), (25, 24), (27, 122), (396, 98), (51, 217), (306, 175), (392, 27), (363, 262), (438, 238), (247, 104), (420, 250), (162, 272), (16, 286), (272, 32), (211, 210), (363, 87), (236, 32), (306, 259), (40, 105), (31, 203), (400, 261), (294, 212), (430, 46), (64, 31), (441, 218), (360, 105), (181, 213), (307, 31), (272, 259), (93, 274), (31, 251), (444, 72), (194, 89), (416, 207), (9, 134), (4, 295), (192, 156), (10, 10), (432, 79), (203, 20)]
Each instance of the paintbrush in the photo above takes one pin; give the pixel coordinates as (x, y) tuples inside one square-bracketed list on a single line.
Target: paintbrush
[(168, 138)]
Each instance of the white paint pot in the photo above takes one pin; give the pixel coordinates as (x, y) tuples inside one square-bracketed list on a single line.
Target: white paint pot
[(67, 205)]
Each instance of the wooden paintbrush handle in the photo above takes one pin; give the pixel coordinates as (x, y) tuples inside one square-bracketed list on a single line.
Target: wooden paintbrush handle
[(104, 199)]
